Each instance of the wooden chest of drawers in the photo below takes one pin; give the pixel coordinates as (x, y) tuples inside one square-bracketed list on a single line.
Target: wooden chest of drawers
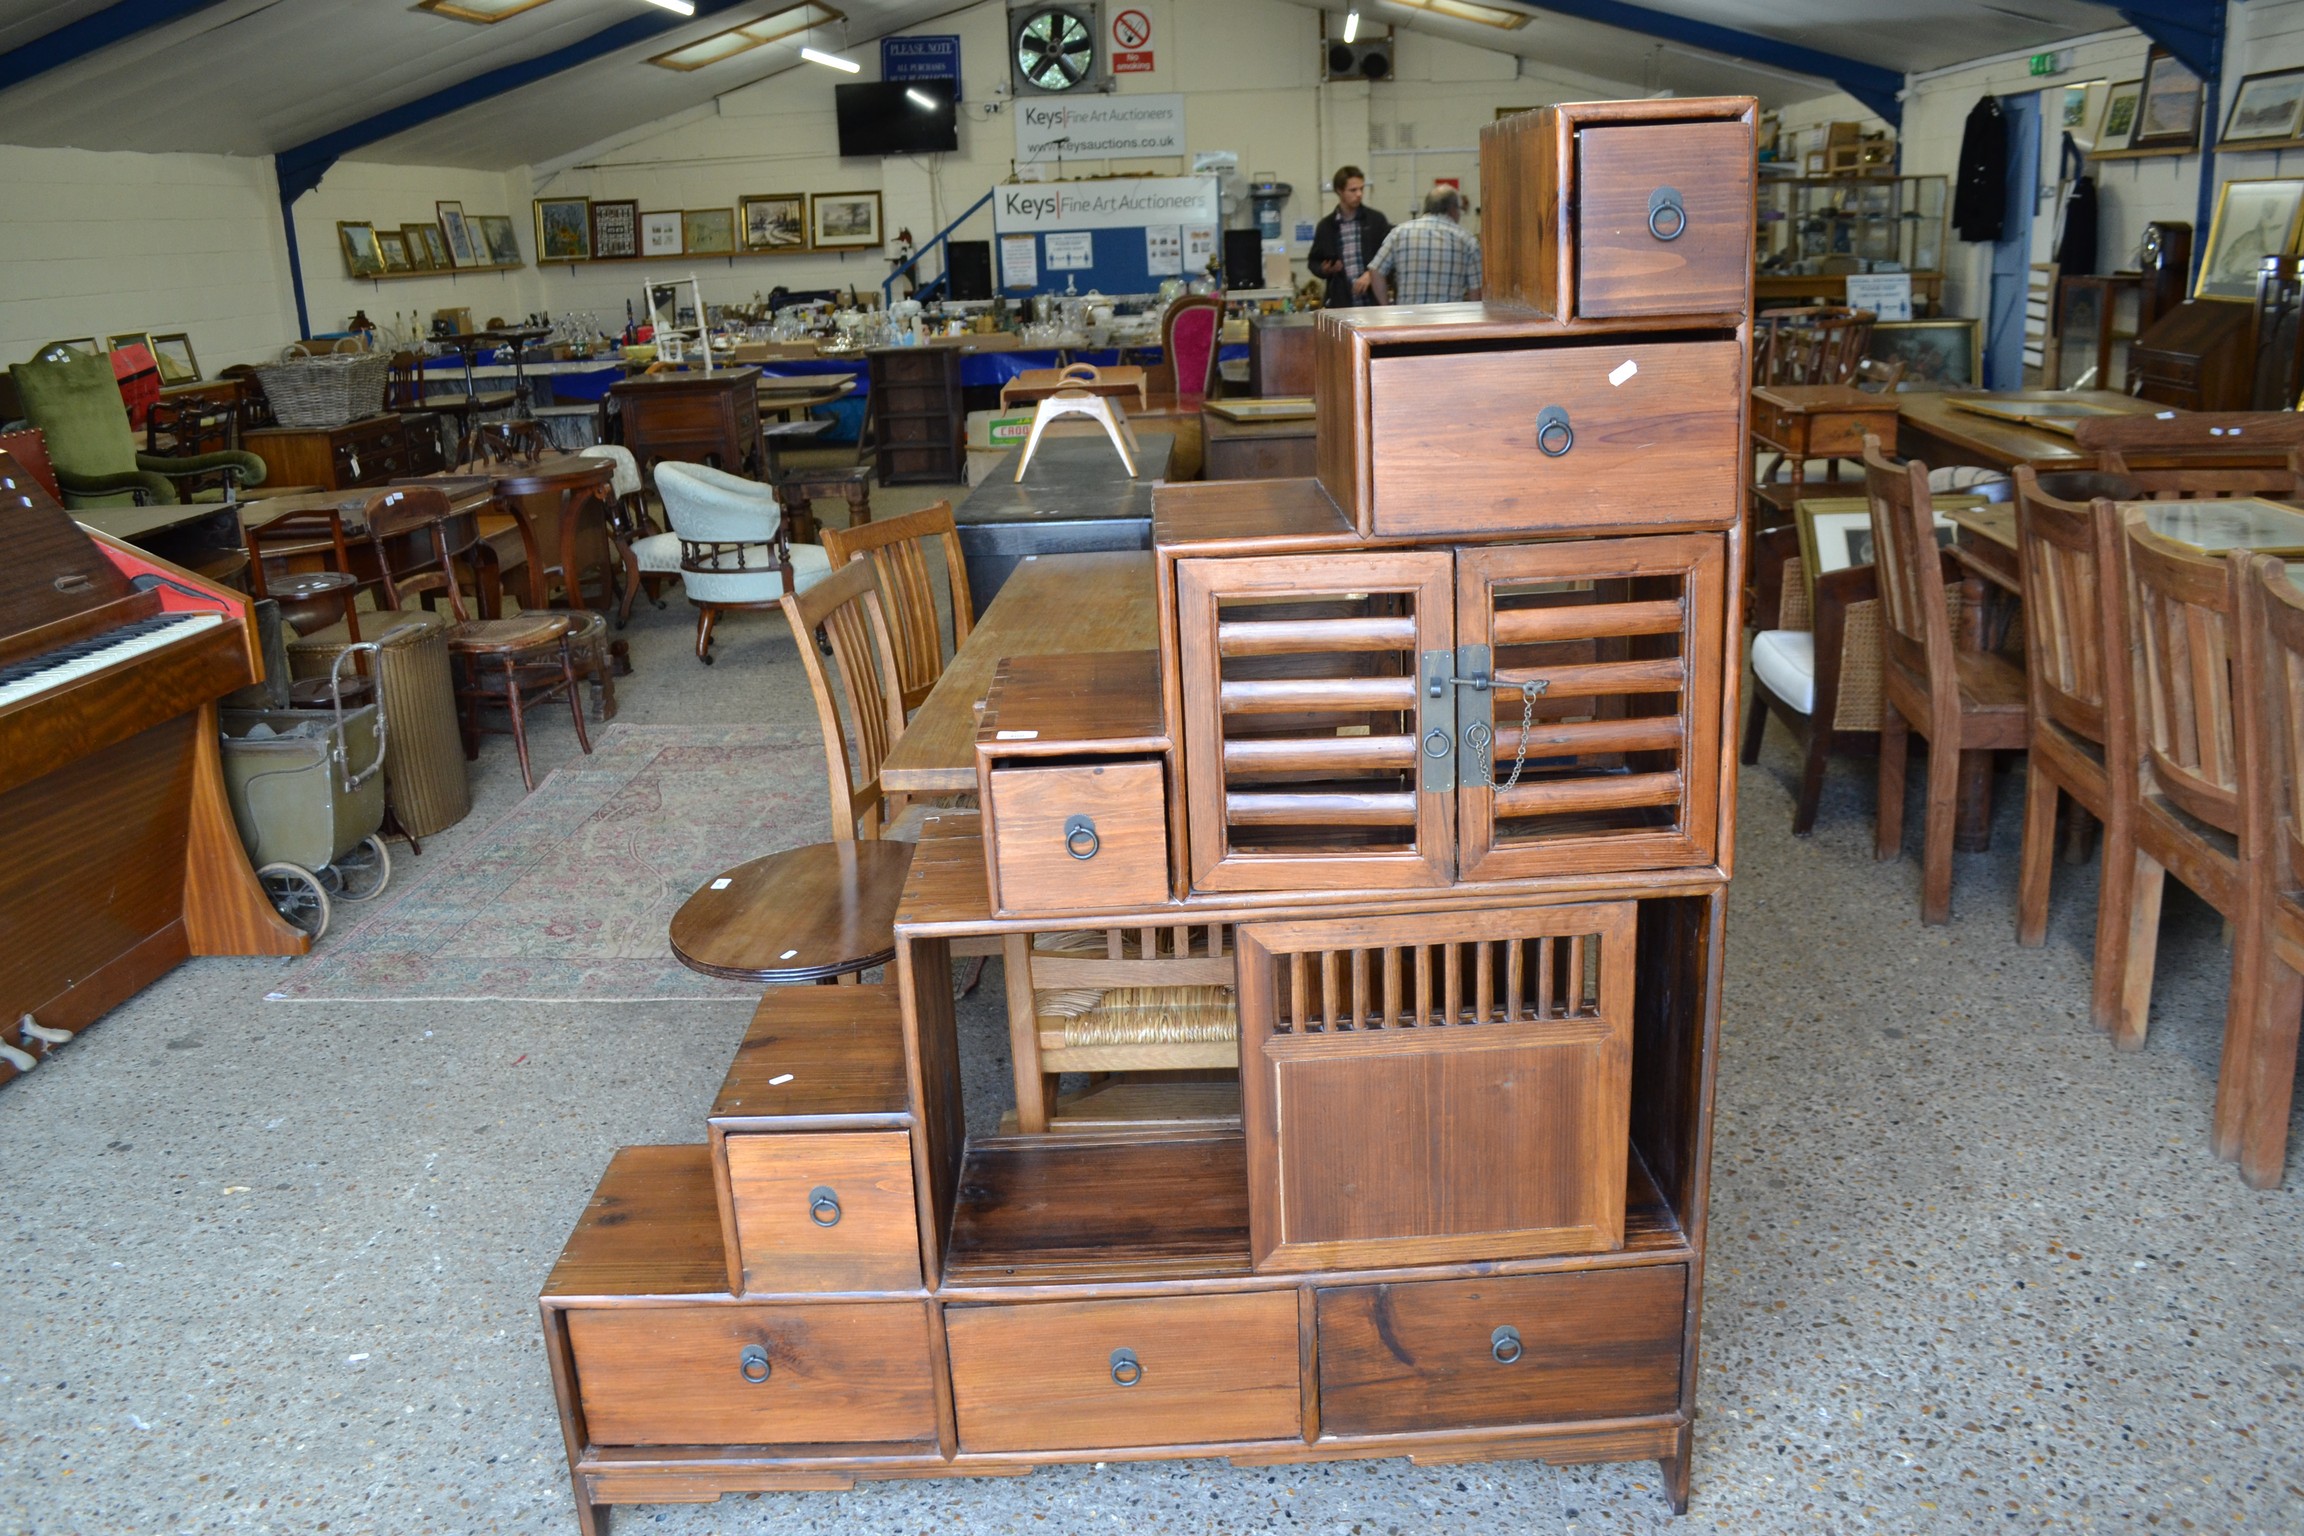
[(360, 453)]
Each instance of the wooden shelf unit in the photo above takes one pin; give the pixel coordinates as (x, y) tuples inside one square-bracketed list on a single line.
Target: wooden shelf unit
[(1460, 1212)]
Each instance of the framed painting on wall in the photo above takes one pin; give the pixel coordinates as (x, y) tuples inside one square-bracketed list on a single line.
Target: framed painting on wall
[(1936, 354), (2254, 219), (127, 339), (2266, 109), (709, 231), (2119, 125), (660, 233), (615, 230), (844, 220), (776, 222), (174, 354), (394, 247), (362, 256), (2169, 116), (419, 248), (461, 251), (563, 229), (499, 242)]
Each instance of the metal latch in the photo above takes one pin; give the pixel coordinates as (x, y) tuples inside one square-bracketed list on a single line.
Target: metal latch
[(1436, 722)]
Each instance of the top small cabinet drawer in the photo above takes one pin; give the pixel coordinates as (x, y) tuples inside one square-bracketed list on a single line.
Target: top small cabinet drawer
[(1663, 219)]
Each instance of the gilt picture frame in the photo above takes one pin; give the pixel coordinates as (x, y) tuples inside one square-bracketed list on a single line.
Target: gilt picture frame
[(708, 231), (844, 221), (173, 351), (363, 257), (775, 223), (563, 229), (2168, 117)]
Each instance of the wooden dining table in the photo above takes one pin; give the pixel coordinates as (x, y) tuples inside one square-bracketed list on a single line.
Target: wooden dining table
[(1932, 428), (1053, 604)]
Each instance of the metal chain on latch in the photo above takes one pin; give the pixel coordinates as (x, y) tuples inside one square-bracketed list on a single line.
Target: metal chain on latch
[(1480, 735)]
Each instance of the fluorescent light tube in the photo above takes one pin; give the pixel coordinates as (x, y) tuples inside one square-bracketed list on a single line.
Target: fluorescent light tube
[(1351, 25), (831, 61), (683, 7), (920, 99)]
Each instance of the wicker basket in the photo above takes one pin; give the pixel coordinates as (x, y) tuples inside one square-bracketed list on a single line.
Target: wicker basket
[(325, 391)]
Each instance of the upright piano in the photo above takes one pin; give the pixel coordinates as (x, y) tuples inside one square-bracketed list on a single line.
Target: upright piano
[(118, 854)]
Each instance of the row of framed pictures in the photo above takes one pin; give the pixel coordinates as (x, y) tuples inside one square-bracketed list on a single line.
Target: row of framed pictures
[(172, 350), (453, 240), (2160, 111), (766, 224)]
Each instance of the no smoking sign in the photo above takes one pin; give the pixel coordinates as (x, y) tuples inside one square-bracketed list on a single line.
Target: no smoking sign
[(1132, 43)]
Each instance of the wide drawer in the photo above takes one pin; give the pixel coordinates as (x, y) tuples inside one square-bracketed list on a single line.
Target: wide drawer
[(1078, 1375), (1564, 438), (752, 1375), (1527, 1349), (1085, 837), (1663, 219), (830, 1211)]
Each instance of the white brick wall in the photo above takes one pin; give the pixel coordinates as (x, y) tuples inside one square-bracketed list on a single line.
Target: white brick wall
[(100, 244), (389, 196)]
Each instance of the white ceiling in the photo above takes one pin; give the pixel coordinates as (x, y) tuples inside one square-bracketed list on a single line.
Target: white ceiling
[(256, 77)]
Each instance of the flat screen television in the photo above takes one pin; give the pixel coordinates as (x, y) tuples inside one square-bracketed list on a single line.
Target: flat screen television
[(885, 117)]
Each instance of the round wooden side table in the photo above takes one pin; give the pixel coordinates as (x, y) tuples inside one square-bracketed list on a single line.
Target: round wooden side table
[(806, 914)]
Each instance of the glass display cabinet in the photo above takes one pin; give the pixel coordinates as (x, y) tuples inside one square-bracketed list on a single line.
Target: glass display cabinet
[(1813, 231)]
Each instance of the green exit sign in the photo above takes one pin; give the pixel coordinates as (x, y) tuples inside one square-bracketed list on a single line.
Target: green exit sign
[(2044, 64)]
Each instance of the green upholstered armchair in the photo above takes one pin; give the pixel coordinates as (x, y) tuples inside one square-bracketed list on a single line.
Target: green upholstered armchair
[(74, 400)]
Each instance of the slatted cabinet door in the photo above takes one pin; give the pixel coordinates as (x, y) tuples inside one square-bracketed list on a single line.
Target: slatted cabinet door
[(1303, 714), (1436, 1087), (1625, 639)]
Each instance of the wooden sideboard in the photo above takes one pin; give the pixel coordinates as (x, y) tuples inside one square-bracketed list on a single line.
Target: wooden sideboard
[(695, 418), (360, 453), (2199, 356), (1428, 786)]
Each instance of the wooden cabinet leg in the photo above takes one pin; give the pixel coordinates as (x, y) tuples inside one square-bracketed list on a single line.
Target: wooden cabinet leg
[(1675, 1468)]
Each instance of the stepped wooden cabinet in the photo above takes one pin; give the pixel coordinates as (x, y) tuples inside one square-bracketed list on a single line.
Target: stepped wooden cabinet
[(1426, 797), (918, 414)]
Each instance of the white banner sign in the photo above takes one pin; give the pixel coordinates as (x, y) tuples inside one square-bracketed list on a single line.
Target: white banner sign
[(1121, 203), (1052, 128)]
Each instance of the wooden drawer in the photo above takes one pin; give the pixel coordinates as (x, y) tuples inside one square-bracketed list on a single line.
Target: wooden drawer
[(1663, 219), (1079, 837), (1079, 1375), (1527, 1349), (830, 1211), (750, 1375), (1558, 438)]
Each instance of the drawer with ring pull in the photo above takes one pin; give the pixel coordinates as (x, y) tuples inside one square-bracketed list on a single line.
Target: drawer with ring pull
[(830, 1211), (1556, 438), (1083, 1375), (1501, 1350), (754, 1375), (1663, 218), (1081, 835)]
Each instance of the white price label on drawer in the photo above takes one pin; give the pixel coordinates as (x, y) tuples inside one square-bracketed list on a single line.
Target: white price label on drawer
[(1623, 371)]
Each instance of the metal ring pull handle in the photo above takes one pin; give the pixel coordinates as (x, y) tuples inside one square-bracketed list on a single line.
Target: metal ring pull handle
[(1127, 1370), (1080, 838), (1504, 1344), (823, 1206), (1554, 434), (753, 1363), (1665, 208)]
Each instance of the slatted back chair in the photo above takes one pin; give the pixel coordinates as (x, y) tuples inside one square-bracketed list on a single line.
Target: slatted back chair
[(1875, 377), (896, 548), (1124, 1000), (2179, 613), (2256, 1082), (846, 607), (1961, 700), (2081, 699)]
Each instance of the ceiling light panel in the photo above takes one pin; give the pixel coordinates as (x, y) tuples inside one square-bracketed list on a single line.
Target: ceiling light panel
[(751, 35), (1467, 10), (482, 11)]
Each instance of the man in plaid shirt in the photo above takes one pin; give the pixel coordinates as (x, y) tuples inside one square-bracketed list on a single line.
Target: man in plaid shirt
[(1428, 260)]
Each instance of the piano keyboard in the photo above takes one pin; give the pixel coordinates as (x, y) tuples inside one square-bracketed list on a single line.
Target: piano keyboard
[(69, 663)]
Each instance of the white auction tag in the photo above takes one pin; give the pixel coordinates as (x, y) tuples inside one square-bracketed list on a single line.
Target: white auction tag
[(1015, 735), (1623, 371), (780, 1080), (788, 954), (722, 883)]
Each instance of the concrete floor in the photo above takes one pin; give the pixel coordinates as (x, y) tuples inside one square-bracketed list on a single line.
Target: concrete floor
[(271, 1267)]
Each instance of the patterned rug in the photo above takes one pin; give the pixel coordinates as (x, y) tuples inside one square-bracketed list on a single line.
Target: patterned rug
[(567, 898)]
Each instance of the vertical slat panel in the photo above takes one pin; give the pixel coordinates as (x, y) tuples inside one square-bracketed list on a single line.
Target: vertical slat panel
[(1572, 992), (1515, 961), (1483, 983), (1328, 988), (1360, 1019), (1296, 998), (1423, 984), (1391, 987), (1544, 978), (1452, 982)]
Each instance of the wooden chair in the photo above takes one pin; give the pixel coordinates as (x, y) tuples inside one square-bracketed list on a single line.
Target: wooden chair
[(2200, 453), (1960, 700), (1191, 340), (1815, 662), (1875, 377), (508, 662), (2179, 611), (309, 599), (1136, 1000), (505, 442), (2257, 1077), (845, 606), (898, 551), (2081, 703)]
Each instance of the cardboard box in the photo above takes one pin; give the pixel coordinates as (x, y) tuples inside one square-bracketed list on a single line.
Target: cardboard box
[(1001, 430)]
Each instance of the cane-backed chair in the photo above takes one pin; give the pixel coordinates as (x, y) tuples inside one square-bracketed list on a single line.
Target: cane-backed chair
[(897, 550), (1960, 700)]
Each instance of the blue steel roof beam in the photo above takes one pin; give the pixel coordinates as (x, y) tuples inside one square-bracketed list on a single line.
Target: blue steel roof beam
[(1870, 84), (76, 40)]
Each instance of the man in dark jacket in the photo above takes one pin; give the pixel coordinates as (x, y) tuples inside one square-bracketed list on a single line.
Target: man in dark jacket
[(1347, 240)]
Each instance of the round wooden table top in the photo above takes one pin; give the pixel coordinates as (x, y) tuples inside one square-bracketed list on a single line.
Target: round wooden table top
[(806, 914), (551, 472)]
